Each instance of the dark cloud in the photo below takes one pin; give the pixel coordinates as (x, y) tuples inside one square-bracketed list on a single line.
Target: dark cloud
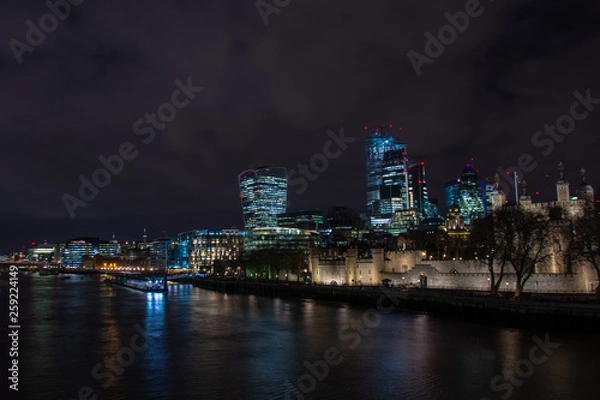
[(271, 94)]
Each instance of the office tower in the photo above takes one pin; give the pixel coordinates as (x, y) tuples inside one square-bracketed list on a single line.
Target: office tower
[(303, 219), (109, 249), (200, 250), (77, 248), (468, 194), (434, 211), (451, 190), (419, 190), (264, 196), (388, 187), (163, 253)]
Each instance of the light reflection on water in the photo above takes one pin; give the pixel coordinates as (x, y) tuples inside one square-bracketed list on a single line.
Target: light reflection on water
[(212, 345)]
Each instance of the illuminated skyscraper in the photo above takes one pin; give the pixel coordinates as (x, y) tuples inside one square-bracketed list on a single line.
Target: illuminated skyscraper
[(264, 195), (419, 190), (468, 194), (388, 183), (451, 189)]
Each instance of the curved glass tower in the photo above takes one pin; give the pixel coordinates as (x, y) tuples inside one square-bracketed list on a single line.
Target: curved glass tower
[(470, 194), (264, 196)]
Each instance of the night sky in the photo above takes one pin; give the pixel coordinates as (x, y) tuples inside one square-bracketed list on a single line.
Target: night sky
[(271, 93)]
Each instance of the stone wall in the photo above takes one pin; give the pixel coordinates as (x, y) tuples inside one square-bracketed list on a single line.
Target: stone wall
[(406, 268)]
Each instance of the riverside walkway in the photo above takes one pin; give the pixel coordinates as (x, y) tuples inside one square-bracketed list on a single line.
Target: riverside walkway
[(547, 310)]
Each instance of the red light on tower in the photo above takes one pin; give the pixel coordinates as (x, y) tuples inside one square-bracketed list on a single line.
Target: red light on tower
[(366, 128), (422, 164), (537, 193), (391, 126), (420, 182)]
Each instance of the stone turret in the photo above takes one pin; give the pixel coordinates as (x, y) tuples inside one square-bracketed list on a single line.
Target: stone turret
[(562, 186), (525, 199), (584, 191)]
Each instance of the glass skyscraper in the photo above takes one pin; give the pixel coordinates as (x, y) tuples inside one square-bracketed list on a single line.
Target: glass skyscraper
[(388, 183), (264, 196), (451, 190), (468, 193), (419, 190)]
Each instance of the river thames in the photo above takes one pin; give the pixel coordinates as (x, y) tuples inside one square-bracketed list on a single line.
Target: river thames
[(81, 338)]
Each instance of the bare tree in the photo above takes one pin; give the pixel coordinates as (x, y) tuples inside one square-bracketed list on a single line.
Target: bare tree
[(528, 241), (488, 240)]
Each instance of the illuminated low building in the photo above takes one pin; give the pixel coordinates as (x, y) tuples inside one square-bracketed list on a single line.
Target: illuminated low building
[(77, 248), (278, 253), (403, 220), (202, 250), (44, 252)]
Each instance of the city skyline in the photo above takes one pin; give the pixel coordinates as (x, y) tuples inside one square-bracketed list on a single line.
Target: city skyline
[(280, 199), (89, 87), (263, 213), (158, 231)]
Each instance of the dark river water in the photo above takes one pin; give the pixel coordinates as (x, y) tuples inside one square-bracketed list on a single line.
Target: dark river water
[(80, 339)]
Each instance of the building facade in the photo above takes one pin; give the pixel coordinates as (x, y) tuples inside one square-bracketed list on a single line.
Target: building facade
[(263, 192), (468, 193), (201, 250), (77, 248), (419, 190), (387, 175)]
